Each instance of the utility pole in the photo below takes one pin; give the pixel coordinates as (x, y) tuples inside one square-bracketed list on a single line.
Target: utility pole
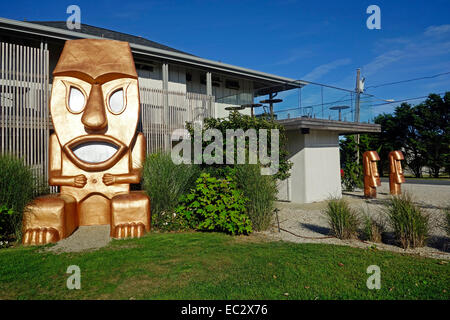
[(358, 91), (271, 96), (357, 105)]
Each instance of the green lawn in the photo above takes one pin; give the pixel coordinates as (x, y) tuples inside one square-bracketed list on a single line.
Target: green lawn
[(217, 266)]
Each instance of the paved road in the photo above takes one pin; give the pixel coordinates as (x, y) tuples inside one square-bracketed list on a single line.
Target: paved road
[(435, 182)]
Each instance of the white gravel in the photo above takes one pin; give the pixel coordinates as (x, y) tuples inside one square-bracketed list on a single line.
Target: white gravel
[(307, 220), (83, 239)]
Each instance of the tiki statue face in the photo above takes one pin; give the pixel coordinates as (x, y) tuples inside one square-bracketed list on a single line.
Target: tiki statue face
[(95, 102), (395, 166), (370, 159)]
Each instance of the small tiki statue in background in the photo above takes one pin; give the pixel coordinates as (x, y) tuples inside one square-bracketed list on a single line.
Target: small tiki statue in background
[(371, 176), (396, 177), (95, 152)]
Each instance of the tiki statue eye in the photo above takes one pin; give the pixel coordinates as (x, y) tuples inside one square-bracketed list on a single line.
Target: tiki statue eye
[(76, 100), (116, 101)]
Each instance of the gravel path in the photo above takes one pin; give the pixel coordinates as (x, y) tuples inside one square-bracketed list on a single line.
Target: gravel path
[(307, 220), (84, 238)]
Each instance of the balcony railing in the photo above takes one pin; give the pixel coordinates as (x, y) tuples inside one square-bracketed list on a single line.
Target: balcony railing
[(312, 101)]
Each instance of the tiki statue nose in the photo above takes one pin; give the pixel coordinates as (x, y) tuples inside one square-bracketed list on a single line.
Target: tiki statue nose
[(94, 116)]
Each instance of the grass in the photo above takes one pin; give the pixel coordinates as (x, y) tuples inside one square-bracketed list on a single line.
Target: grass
[(343, 220), (446, 225), (165, 182), (17, 187), (261, 193), (410, 223), (217, 266), (372, 228)]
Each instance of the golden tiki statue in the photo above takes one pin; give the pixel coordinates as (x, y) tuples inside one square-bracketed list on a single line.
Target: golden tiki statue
[(396, 177), (371, 176), (95, 152)]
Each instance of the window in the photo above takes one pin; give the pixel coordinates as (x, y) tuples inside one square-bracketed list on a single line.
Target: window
[(232, 84)]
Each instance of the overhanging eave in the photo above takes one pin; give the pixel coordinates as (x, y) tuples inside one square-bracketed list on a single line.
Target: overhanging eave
[(341, 127)]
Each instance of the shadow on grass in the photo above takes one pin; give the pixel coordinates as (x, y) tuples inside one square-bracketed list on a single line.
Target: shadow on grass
[(315, 228), (439, 242)]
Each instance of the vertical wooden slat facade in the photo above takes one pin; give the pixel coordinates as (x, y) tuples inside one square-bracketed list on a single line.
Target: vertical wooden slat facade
[(24, 122), (160, 119)]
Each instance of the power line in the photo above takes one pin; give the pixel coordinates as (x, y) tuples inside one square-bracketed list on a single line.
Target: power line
[(403, 100), (319, 104), (301, 83), (409, 80)]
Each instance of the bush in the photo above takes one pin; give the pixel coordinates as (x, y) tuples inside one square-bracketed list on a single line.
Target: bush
[(165, 182), (215, 205), (352, 176), (17, 187), (236, 121), (409, 222), (261, 193), (342, 219)]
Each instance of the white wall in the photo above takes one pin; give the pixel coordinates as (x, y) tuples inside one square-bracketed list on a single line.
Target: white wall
[(150, 79), (315, 174), (222, 113), (177, 82), (153, 79), (177, 78)]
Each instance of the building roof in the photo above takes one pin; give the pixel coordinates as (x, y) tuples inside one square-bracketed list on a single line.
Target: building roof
[(146, 49), (342, 127), (110, 34)]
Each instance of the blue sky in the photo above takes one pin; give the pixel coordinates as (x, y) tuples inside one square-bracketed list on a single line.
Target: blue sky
[(321, 41)]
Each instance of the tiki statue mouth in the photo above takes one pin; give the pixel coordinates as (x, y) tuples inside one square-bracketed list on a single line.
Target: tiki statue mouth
[(95, 152)]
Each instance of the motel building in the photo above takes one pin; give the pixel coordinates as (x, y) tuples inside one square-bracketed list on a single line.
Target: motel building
[(175, 87)]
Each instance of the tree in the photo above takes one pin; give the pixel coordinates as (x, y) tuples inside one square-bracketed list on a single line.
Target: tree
[(353, 170), (238, 121), (421, 132), (433, 128), (409, 138), (385, 141)]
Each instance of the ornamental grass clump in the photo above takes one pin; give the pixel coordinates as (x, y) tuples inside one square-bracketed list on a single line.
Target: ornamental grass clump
[(342, 219), (372, 228), (17, 188), (260, 190), (447, 220), (165, 182), (409, 222)]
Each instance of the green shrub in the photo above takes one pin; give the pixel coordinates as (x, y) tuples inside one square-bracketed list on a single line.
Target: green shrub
[(236, 121), (6, 228), (342, 219), (372, 229), (215, 205), (260, 191), (409, 222), (353, 177), (17, 187), (165, 182)]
